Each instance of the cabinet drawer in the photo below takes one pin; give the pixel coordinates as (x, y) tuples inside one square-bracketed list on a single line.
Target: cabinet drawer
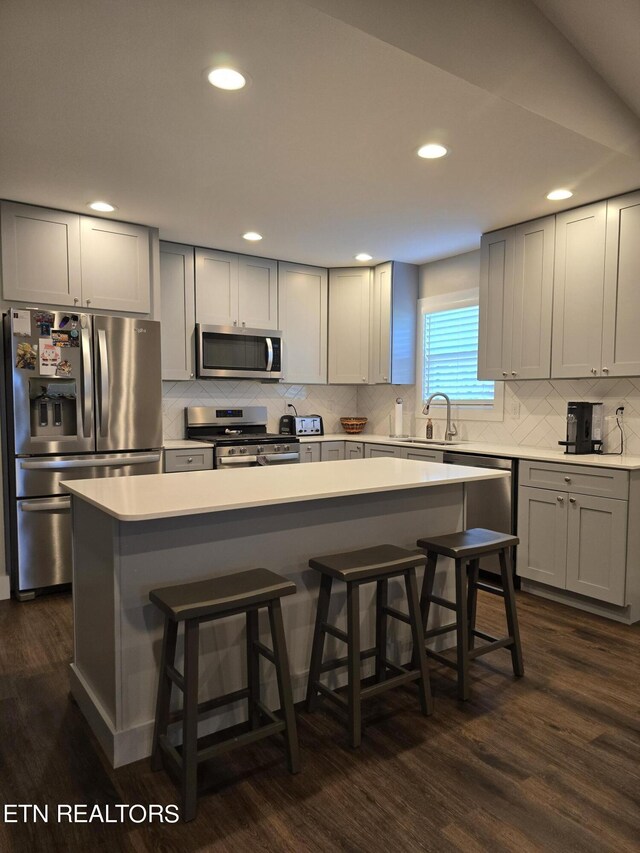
[(581, 479), (188, 460), (421, 455)]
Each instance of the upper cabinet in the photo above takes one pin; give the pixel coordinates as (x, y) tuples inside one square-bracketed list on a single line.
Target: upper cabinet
[(236, 290), (392, 342), (303, 309), (620, 338), (349, 325), (516, 296), (54, 258), (579, 292), (177, 292)]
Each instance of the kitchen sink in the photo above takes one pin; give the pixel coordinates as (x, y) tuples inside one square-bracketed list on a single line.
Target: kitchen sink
[(448, 443)]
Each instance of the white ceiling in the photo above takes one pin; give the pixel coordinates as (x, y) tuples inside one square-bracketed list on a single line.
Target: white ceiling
[(109, 100)]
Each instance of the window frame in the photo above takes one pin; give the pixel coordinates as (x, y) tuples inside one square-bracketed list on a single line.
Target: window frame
[(459, 411)]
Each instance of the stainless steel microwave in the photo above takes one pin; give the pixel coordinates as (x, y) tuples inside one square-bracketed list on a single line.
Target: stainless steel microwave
[(234, 352)]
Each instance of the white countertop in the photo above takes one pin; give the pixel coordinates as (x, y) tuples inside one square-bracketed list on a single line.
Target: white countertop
[(626, 462), (196, 492)]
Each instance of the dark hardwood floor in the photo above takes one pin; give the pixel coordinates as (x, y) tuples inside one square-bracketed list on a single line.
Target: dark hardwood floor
[(550, 762)]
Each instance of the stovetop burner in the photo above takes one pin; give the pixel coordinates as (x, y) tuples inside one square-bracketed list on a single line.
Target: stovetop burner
[(243, 438)]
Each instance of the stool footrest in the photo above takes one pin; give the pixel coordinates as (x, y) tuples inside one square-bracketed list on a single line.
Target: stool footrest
[(442, 602), (336, 663), (175, 676), (265, 651), (268, 713), (441, 659), (395, 681), (171, 754), (335, 632), (490, 647), (488, 587), (396, 614), (488, 637), (331, 694), (212, 704), (240, 740), (443, 629)]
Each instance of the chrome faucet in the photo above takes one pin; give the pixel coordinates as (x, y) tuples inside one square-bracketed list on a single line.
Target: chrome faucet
[(450, 429)]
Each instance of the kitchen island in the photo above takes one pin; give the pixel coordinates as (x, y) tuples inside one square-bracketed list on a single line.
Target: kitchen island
[(131, 535)]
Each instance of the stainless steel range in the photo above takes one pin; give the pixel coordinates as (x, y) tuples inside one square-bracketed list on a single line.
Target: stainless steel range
[(240, 436)]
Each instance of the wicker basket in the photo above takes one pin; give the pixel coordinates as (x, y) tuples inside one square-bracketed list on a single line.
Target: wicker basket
[(353, 425)]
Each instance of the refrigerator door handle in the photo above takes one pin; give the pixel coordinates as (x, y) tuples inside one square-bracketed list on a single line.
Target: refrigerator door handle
[(87, 383), (104, 382), (57, 505), (66, 464)]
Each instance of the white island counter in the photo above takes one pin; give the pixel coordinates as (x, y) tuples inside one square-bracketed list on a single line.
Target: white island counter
[(133, 534)]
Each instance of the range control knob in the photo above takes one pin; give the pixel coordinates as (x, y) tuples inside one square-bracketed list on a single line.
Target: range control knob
[(286, 448), (232, 451), (260, 449), (243, 450)]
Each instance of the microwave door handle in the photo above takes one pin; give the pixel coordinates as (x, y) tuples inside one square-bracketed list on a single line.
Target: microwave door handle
[(103, 385), (87, 383), (269, 354)]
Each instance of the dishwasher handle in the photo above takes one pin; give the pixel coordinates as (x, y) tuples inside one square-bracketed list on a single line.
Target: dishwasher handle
[(475, 461)]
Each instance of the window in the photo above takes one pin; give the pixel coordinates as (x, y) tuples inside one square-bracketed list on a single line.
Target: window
[(448, 358)]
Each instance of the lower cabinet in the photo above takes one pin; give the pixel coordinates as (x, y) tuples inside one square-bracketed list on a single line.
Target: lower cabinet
[(310, 452), (331, 451), (574, 542), (371, 450), (353, 450), (421, 455), (188, 460)]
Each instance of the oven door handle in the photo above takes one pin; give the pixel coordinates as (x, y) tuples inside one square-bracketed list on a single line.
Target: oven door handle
[(221, 461), (269, 354), (275, 458)]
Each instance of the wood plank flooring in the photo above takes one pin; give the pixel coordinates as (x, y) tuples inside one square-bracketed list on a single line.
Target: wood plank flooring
[(550, 762)]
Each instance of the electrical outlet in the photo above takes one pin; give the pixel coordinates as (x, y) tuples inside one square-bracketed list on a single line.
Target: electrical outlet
[(515, 409)]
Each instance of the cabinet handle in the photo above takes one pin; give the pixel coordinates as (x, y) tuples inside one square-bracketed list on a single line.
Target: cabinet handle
[(504, 373), (243, 324), (385, 378), (567, 479), (235, 322), (560, 500), (88, 302), (191, 375), (514, 373), (572, 500), (75, 300), (605, 369), (364, 378), (594, 371), (190, 459)]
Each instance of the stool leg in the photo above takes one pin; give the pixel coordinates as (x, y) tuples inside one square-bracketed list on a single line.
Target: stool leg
[(512, 615), (284, 684), (417, 635), (163, 701), (317, 646), (253, 668), (427, 587), (353, 652), (462, 631), (473, 570), (190, 721), (382, 596)]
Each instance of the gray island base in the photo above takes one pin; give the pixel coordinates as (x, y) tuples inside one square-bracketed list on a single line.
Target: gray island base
[(130, 537)]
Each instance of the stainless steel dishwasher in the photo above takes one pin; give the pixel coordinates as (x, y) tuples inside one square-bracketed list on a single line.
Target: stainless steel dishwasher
[(490, 503)]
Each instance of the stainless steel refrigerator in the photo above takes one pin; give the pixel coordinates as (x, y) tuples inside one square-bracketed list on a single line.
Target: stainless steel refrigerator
[(83, 399)]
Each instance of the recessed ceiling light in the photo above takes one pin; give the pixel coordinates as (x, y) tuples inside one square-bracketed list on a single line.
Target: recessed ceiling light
[(559, 195), (432, 151), (102, 206), (226, 78), (253, 236), (363, 256)]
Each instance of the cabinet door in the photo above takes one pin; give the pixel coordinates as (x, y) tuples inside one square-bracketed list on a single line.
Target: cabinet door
[(380, 342), (422, 455), (372, 450), (497, 253), (257, 293), (597, 547), (115, 261), (578, 292), (620, 338), (177, 311), (349, 322), (310, 452), (331, 451), (533, 299), (303, 301), (353, 450), (542, 528), (216, 288), (40, 255)]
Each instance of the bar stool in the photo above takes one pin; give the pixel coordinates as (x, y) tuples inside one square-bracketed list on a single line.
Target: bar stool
[(470, 545), (355, 568), (202, 601)]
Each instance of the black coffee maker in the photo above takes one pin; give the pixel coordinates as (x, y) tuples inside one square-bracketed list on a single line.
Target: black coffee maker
[(584, 428)]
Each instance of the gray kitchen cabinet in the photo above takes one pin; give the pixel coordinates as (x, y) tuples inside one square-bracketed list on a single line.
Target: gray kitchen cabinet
[(303, 301), (349, 325), (353, 450), (578, 297), (40, 255), (422, 455), (236, 290), (177, 286), (392, 341), (115, 263), (597, 547), (516, 299), (331, 451), (542, 529), (310, 451), (188, 460), (620, 338), (373, 450)]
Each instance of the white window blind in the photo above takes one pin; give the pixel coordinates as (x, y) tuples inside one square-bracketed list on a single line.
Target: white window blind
[(451, 357)]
